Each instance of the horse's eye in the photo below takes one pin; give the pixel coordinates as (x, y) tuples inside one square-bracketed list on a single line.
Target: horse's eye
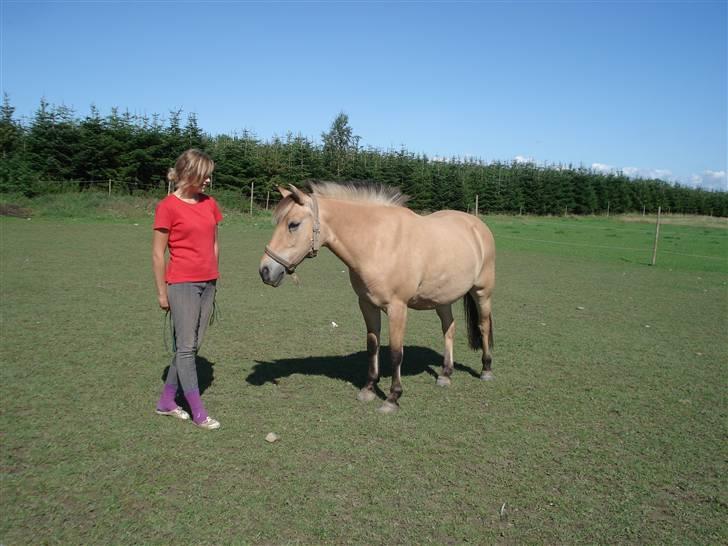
[(293, 226)]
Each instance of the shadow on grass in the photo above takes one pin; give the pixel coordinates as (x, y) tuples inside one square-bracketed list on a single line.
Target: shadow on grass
[(205, 377), (352, 368)]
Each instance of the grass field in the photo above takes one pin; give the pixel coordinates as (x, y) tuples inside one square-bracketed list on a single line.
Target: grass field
[(607, 422)]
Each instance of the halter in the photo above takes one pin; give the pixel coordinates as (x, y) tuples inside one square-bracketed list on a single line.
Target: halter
[(290, 267)]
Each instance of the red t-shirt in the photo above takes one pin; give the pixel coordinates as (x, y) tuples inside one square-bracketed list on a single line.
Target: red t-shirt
[(191, 238)]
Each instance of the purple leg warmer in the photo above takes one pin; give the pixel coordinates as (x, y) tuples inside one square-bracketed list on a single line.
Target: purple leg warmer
[(166, 400), (198, 408)]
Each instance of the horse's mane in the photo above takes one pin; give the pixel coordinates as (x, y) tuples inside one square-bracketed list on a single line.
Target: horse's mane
[(368, 192)]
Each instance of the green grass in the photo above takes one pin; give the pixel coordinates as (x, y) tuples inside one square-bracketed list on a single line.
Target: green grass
[(607, 422)]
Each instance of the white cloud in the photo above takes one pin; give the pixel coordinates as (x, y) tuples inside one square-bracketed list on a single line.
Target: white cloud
[(602, 168), (639, 172), (633, 172), (709, 180), (522, 159)]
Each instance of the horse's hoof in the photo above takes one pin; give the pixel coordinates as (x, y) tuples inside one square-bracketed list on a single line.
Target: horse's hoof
[(365, 395), (388, 407), (487, 376), (443, 381)]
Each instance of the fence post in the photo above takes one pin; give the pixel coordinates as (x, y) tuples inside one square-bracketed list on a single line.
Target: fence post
[(657, 235), (109, 187), (607, 209), (267, 198), (476, 204), (252, 189)]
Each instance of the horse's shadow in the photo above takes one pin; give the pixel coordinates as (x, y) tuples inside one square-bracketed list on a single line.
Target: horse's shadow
[(352, 368), (205, 377)]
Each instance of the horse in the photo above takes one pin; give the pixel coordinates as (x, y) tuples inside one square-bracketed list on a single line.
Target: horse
[(397, 260)]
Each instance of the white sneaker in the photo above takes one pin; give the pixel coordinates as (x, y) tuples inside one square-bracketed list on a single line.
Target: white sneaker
[(177, 412), (209, 424)]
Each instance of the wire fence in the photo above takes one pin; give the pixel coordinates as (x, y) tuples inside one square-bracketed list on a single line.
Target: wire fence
[(245, 198), (245, 191)]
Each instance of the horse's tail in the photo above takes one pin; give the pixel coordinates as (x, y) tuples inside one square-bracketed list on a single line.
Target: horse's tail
[(472, 318)]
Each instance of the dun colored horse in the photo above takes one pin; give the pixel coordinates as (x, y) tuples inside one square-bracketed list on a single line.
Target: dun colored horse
[(397, 260)]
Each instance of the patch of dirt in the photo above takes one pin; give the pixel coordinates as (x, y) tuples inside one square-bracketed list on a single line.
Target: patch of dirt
[(9, 209), (678, 220)]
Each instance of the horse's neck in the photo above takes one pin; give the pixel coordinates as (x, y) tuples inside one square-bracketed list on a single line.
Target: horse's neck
[(345, 223)]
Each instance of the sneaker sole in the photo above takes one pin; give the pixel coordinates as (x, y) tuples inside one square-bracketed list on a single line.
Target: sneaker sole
[(184, 417), (207, 427)]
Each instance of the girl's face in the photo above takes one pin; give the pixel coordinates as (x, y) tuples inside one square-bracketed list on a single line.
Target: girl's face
[(203, 185)]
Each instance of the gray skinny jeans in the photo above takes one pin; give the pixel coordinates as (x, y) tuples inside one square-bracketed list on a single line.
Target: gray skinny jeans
[(191, 306)]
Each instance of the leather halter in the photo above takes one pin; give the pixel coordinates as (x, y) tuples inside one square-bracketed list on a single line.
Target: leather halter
[(290, 267)]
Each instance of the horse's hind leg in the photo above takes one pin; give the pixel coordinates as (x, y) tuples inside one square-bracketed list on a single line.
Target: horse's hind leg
[(448, 331), (485, 325), (373, 320)]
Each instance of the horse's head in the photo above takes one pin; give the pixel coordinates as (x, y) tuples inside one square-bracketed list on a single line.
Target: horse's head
[(295, 238)]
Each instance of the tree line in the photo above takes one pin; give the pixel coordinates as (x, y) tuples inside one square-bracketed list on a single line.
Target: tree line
[(135, 151)]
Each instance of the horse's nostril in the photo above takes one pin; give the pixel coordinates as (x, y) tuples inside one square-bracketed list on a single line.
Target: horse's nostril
[(264, 273)]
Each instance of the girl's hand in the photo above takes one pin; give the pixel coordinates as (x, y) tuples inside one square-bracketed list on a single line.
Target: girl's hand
[(163, 302)]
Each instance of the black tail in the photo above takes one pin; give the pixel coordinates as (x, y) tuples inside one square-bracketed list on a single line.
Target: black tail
[(472, 317)]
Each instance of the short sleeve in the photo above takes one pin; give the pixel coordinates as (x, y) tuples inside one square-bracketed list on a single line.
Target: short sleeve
[(162, 216), (216, 212)]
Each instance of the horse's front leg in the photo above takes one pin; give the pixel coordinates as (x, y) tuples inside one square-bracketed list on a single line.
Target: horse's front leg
[(373, 320), (397, 313), (448, 331)]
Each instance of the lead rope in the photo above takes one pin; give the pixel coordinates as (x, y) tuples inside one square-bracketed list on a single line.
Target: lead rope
[(216, 314), (168, 326)]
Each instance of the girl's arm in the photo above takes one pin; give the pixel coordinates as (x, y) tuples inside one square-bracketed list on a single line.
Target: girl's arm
[(159, 246), (216, 249)]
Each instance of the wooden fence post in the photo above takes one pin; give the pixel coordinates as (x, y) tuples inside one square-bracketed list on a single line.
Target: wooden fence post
[(476, 204), (252, 189), (109, 187), (267, 199), (657, 235)]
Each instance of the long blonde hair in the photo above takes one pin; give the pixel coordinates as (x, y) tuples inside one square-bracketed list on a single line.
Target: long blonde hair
[(191, 169)]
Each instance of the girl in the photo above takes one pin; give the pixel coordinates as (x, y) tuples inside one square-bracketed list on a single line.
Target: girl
[(185, 222)]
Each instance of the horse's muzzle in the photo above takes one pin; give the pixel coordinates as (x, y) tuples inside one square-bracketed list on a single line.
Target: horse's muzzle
[(271, 273)]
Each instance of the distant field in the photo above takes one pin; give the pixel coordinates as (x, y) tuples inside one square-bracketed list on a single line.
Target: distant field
[(607, 422), (702, 246)]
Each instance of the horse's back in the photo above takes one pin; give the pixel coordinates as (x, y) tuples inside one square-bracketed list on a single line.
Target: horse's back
[(460, 232)]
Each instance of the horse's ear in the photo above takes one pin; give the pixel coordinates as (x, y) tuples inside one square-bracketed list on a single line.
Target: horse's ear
[(297, 195), (284, 192)]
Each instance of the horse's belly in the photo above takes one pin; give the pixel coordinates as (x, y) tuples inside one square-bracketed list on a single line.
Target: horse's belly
[(422, 304), (432, 295)]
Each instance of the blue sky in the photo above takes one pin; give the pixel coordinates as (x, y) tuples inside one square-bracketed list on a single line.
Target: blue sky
[(637, 86)]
